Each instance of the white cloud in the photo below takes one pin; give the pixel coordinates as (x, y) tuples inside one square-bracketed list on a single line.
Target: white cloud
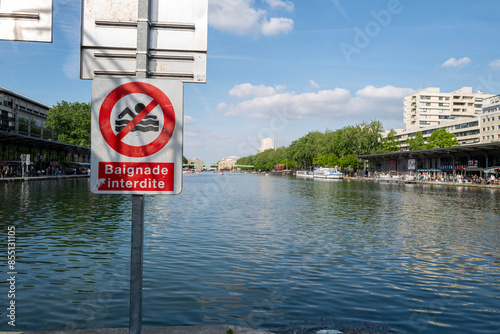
[(248, 90), (276, 26), (452, 62), (495, 64), (313, 84), (287, 5), (384, 103), (189, 120), (242, 18), (387, 92)]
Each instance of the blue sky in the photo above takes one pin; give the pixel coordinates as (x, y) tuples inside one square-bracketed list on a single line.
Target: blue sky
[(282, 68)]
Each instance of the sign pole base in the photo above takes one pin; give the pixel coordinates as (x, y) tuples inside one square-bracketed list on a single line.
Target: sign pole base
[(136, 264)]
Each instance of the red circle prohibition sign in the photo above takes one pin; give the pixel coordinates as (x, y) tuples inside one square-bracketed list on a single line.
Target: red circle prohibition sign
[(115, 141)]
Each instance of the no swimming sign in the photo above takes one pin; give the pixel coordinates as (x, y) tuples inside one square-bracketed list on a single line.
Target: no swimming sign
[(136, 136)]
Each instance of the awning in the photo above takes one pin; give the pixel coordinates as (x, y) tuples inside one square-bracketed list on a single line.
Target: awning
[(492, 169)]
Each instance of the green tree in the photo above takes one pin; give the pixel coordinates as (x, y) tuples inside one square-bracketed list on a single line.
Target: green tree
[(441, 138), (70, 122), (416, 142), (390, 143)]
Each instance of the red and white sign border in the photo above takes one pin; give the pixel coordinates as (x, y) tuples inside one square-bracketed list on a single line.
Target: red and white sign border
[(167, 149)]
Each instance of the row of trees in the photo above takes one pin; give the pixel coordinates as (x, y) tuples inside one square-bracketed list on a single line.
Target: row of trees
[(71, 122), (340, 147), (329, 148)]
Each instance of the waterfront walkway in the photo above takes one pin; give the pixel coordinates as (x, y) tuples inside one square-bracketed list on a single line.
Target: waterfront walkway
[(440, 183), (218, 329), (42, 178)]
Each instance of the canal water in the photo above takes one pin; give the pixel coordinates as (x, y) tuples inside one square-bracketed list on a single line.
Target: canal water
[(256, 251)]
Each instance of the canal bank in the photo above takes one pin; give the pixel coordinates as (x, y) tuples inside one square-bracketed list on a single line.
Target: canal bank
[(444, 183), (41, 178), (219, 329)]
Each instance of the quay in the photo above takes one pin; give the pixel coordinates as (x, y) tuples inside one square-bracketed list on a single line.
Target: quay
[(436, 183), (42, 178), (216, 329)]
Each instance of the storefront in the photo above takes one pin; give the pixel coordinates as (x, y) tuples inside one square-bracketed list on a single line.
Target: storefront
[(438, 163)]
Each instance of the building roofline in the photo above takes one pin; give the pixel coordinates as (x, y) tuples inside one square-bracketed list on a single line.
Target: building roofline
[(4, 90), (442, 150)]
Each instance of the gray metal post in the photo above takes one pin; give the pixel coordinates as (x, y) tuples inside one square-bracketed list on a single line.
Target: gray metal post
[(136, 264), (136, 256)]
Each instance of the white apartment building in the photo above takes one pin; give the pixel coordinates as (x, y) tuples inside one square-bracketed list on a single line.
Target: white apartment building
[(467, 131), (266, 144), (489, 122), (430, 107)]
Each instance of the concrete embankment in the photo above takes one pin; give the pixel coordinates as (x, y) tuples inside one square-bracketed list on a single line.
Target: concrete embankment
[(218, 329), (41, 178), (450, 184)]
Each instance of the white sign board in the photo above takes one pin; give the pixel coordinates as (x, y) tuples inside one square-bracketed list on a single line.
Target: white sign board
[(411, 164), (177, 39), (26, 20), (137, 128)]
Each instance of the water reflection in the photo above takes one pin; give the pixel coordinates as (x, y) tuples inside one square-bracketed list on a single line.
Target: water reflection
[(260, 251)]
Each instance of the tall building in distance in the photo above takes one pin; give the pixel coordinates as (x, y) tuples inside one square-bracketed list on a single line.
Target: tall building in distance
[(430, 107), (473, 117), (266, 144)]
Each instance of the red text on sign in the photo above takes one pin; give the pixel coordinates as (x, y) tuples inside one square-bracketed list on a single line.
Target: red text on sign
[(136, 176)]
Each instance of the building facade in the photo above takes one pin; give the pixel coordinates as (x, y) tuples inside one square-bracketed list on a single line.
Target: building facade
[(23, 134), (430, 107), (196, 164), (266, 144), (22, 115), (227, 164), (490, 120)]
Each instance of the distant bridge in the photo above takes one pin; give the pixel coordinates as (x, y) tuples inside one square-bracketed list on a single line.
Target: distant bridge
[(216, 165)]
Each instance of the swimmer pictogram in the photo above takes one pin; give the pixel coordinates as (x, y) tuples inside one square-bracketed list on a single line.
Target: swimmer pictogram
[(148, 124)]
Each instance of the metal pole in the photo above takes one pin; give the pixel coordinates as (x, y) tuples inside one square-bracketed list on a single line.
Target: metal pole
[(136, 256), (136, 264)]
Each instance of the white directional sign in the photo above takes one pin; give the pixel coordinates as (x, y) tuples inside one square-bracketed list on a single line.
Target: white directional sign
[(136, 136), (177, 39), (26, 20)]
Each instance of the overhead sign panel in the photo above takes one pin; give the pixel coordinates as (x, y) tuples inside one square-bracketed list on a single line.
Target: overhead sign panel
[(177, 39), (26, 20), (136, 136)]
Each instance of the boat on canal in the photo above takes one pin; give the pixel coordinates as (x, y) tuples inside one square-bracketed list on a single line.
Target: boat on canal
[(305, 174), (328, 173)]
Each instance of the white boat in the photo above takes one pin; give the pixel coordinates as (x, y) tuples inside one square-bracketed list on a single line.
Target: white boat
[(304, 173), (328, 173)]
